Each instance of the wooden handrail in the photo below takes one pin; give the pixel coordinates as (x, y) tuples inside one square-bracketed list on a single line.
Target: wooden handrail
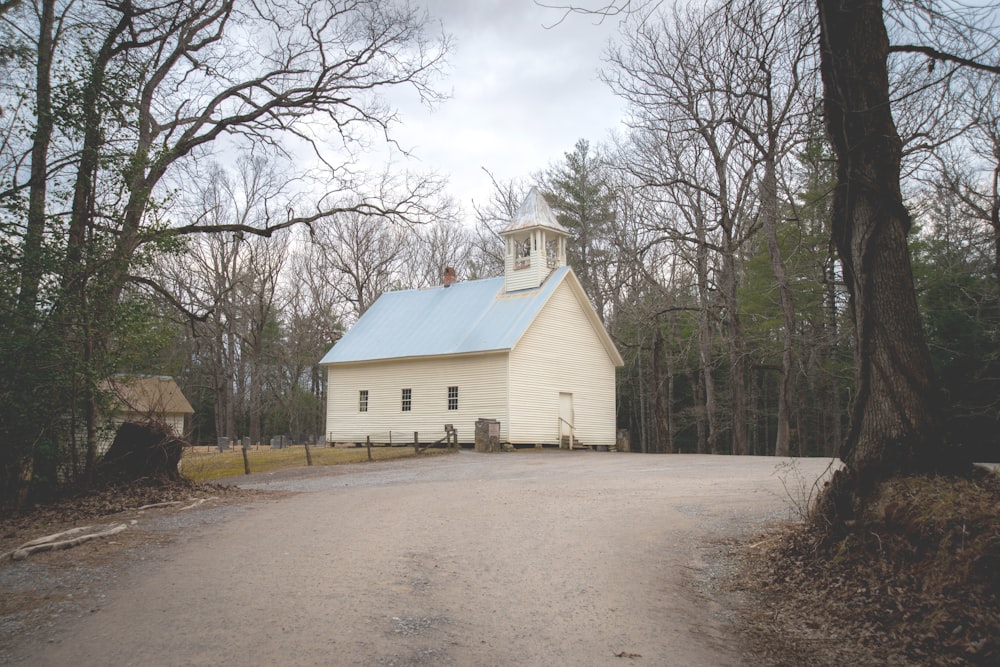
[(572, 432)]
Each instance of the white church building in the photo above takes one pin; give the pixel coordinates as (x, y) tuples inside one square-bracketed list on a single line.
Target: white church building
[(526, 349)]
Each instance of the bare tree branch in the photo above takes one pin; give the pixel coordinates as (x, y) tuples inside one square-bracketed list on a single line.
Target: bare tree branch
[(936, 55), (171, 299)]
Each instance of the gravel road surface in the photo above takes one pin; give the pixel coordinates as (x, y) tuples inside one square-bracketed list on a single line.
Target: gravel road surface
[(530, 558)]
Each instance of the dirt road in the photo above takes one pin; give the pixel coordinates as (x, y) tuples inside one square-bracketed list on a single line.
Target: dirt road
[(533, 558)]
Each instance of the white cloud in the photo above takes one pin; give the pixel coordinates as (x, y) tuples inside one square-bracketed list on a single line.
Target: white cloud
[(521, 94)]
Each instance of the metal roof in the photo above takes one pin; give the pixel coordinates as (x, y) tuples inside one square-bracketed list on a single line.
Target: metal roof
[(534, 212), (473, 316)]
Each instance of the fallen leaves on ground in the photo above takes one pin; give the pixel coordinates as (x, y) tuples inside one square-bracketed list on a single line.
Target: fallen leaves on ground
[(913, 583), (79, 507)]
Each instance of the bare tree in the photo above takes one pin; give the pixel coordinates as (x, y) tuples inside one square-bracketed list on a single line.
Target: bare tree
[(649, 287), (32, 267), (310, 326), (441, 244), (207, 281), (359, 257), (228, 283), (266, 258), (775, 41), (317, 64), (676, 74), (491, 218), (977, 182), (151, 89), (896, 420)]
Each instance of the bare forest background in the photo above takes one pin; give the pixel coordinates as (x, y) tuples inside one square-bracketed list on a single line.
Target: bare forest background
[(156, 216)]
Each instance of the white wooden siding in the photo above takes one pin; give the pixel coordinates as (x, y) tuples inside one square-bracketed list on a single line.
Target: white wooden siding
[(176, 423), (526, 278), (532, 275), (482, 392), (561, 352)]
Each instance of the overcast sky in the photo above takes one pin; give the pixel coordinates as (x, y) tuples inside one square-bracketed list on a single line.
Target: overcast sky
[(521, 94)]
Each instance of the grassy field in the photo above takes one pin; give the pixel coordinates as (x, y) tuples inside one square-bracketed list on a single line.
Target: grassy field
[(204, 464)]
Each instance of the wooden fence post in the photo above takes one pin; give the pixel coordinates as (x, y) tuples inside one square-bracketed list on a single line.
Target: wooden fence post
[(246, 461), (416, 443), (368, 443), (309, 458)]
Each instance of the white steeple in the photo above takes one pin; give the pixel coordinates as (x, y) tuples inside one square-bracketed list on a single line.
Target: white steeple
[(535, 244)]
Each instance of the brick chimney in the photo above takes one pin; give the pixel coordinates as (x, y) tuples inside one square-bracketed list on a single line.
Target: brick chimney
[(449, 277)]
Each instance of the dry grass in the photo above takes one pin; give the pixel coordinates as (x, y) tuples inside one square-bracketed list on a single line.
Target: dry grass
[(204, 464)]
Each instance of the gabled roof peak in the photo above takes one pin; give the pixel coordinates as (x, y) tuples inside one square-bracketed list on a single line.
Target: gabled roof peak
[(535, 212)]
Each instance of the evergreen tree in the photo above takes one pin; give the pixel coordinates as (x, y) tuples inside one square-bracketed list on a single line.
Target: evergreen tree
[(578, 192)]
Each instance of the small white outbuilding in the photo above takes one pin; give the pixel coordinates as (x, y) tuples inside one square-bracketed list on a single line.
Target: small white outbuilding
[(527, 350), (144, 399)]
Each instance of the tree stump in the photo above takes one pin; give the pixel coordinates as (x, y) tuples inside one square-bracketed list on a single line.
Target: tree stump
[(148, 450)]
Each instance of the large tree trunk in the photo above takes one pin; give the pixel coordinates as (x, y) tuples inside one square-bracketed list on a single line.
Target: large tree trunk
[(705, 350), (142, 450), (701, 423), (834, 415), (255, 400), (316, 387), (995, 221), (31, 263), (89, 395), (769, 202), (640, 391), (664, 441), (672, 384), (895, 420), (737, 374), (234, 381)]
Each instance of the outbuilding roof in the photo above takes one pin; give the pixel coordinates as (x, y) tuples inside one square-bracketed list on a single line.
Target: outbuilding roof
[(466, 317), (149, 395)]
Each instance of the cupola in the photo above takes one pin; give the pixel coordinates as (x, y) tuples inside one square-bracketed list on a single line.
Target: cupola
[(535, 244)]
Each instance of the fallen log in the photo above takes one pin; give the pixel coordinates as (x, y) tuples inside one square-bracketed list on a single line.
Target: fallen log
[(53, 543), (48, 538), (56, 536), (197, 502), (153, 505)]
